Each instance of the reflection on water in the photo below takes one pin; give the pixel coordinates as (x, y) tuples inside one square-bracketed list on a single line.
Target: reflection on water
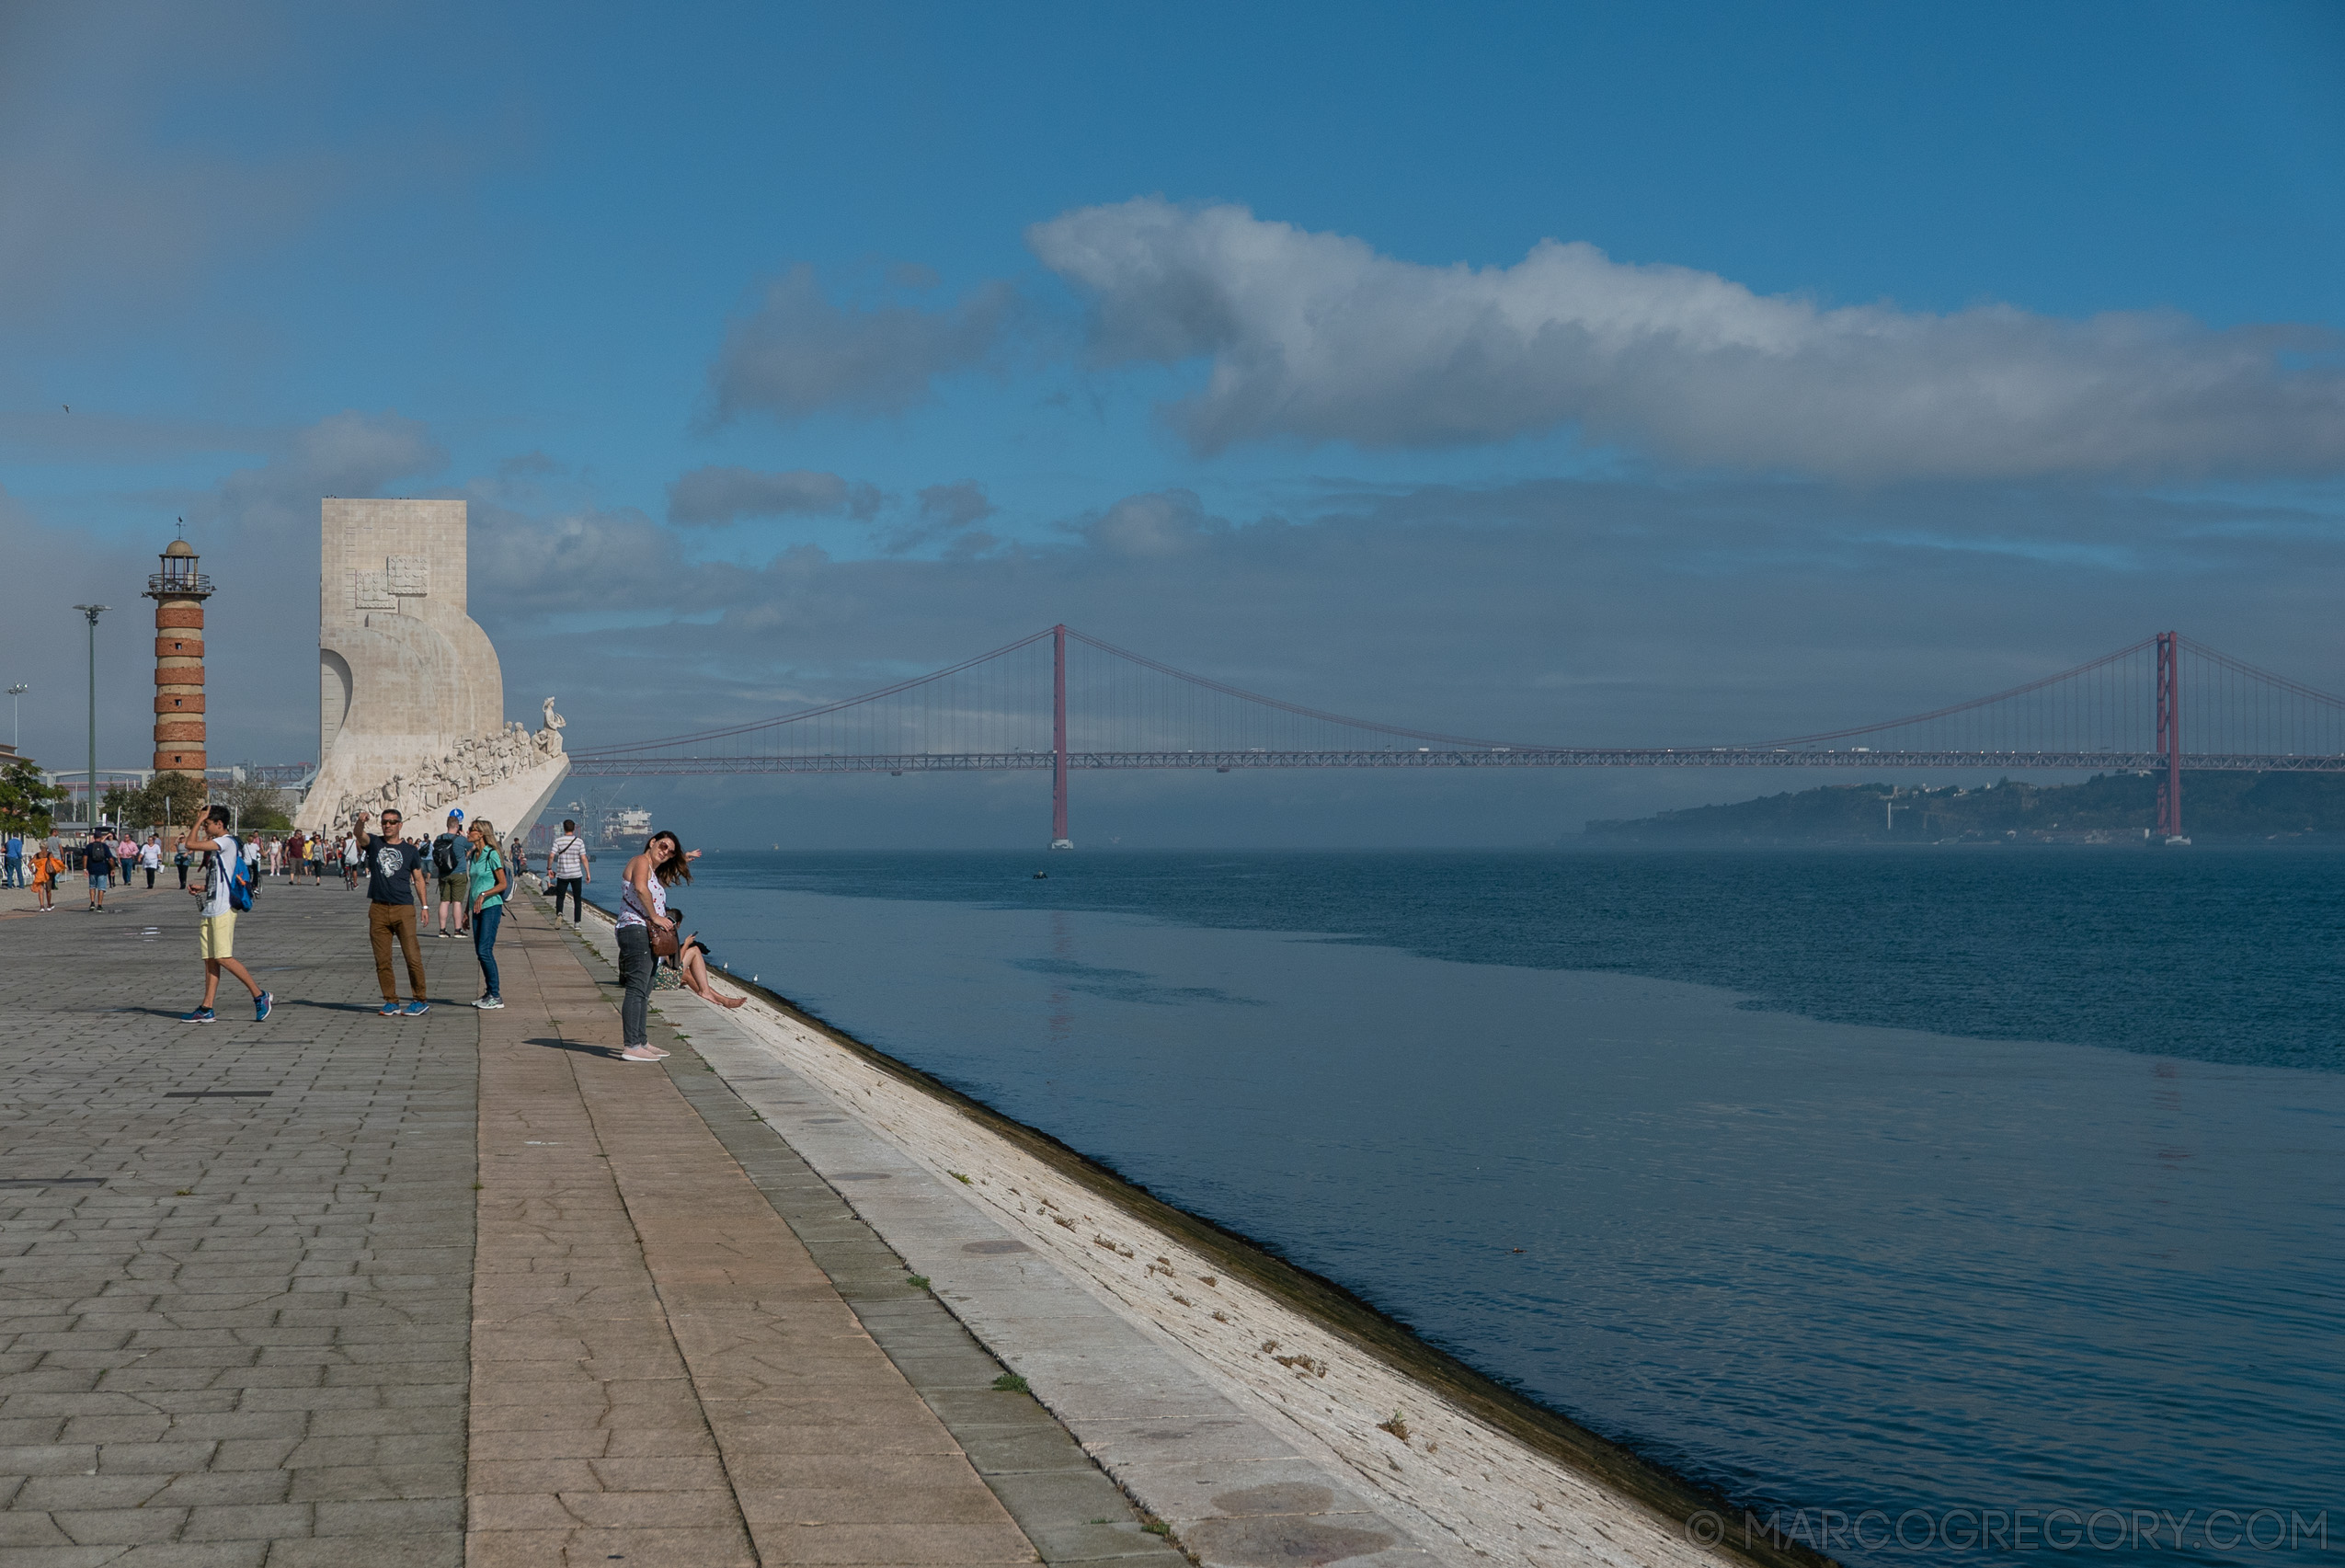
[(1814, 1263)]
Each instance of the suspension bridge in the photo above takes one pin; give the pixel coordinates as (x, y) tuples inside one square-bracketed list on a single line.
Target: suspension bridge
[(1065, 701)]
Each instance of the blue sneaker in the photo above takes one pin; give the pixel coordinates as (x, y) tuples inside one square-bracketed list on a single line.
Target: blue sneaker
[(200, 1015), (417, 1008), (262, 1003), (390, 1009)]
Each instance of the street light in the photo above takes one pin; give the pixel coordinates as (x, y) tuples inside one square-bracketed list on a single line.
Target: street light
[(89, 814), (15, 716)]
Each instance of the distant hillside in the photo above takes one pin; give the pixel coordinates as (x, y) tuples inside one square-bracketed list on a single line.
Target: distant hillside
[(2108, 808)]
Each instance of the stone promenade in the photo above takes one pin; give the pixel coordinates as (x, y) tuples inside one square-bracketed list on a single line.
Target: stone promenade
[(338, 1289)]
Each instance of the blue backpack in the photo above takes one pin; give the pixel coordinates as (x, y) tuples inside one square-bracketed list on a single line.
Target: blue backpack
[(240, 882)]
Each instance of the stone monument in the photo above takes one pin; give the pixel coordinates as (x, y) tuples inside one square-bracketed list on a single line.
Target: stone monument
[(411, 701)]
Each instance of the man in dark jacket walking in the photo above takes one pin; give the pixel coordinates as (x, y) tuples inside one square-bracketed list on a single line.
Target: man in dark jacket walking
[(98, 860)]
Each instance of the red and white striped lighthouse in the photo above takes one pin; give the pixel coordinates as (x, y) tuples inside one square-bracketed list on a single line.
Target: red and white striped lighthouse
[(179, 591)]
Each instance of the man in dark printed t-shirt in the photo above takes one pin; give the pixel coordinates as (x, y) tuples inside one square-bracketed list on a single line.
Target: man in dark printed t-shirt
[(395, 891)]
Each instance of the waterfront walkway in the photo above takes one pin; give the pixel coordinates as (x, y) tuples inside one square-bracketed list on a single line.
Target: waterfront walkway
[(338, 1289)]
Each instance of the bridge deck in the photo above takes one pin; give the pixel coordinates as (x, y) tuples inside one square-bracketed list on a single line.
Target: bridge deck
[(621, 765)]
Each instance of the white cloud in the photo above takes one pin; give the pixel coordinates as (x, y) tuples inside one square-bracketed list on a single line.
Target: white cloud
[(348, 453), (589, 558), (798, 354), (710, 497), (1317, 337), (1153, 524), (956, 506), (949, 514), (256, 531)]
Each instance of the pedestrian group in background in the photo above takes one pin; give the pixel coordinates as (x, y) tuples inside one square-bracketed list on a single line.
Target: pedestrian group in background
[(471, 872)]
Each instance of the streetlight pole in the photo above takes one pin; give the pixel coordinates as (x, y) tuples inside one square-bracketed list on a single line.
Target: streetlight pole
[(89, 817), (17, 717)]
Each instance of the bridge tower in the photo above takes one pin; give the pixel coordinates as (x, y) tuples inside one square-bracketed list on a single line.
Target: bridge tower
[(179, 591), (2170, 736), (1058, 838)]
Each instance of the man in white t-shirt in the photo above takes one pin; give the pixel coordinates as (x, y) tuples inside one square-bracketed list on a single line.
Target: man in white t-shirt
[(567, 870), (216, 932)]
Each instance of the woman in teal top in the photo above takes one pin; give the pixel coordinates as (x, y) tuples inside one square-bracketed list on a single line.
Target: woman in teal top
[(486, 896)]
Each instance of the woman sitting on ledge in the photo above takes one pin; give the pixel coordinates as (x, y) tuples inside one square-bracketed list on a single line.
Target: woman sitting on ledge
[(688, 955)]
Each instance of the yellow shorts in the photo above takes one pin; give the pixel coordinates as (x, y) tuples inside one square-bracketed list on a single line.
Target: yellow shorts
[(217, 936)]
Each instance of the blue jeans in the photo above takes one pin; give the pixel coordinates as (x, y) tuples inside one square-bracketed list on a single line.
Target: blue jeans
[(16, 872), (636, 969), (485, 945)]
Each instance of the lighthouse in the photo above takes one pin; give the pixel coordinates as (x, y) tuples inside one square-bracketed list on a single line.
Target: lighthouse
[(179, 591)]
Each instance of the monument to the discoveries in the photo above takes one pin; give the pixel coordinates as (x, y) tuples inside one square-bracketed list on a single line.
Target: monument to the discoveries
[(411, 701)]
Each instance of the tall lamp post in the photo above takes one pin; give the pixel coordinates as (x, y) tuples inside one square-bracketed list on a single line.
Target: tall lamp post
[(17, 717), (89, 815)]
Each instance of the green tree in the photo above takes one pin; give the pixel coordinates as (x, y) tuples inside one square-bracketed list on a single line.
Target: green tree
[(124, 805), (170, 800), (258, 805), (24, 800)]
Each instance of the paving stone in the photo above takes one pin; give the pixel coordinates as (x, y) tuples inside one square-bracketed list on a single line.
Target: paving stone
[(196, 1554), (466, 1256), (601, 1183), (341, 1205), (107, 1527)]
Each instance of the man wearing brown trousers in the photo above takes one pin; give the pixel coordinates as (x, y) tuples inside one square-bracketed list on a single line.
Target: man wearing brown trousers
[(396, 889)]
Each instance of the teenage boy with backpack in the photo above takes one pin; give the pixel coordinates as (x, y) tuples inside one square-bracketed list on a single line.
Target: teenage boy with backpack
[(451, 863), (98, 861), (227, 888)]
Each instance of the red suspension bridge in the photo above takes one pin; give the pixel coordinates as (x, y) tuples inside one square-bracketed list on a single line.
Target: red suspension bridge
[(1066, 701)]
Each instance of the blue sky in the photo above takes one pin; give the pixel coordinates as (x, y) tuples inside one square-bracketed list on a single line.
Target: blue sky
[(1596, 372)]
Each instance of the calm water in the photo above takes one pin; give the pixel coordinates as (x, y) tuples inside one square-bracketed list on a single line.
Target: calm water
[(2079, 1247)]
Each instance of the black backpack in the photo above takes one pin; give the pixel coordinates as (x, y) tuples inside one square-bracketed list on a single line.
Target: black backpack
[(444, 855)]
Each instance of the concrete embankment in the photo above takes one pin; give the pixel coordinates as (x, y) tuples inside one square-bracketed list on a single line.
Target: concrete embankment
[(1265, 1414)]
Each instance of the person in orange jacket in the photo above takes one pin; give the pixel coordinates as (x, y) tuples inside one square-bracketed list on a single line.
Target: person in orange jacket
[(46, 869)]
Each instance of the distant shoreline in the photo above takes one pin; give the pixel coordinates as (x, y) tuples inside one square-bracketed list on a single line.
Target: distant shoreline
[(2109, 810)]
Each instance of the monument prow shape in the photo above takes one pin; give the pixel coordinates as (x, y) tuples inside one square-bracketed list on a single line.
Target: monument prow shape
[(411, 700)]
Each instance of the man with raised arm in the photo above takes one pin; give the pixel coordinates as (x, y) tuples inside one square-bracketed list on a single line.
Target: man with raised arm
[(395, 891), (216, 930)]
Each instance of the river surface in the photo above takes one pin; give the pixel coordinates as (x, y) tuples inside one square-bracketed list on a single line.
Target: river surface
[(1874, 1189)]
